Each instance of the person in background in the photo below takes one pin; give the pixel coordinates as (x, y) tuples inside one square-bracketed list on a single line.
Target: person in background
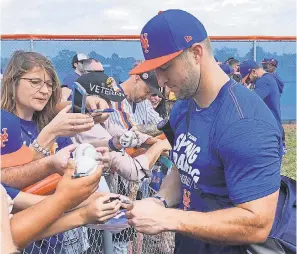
[(269, 64), (230, 72), (136, 109), (159, 104), (227, 69), (234, 63), (268, 86), (78, 69)]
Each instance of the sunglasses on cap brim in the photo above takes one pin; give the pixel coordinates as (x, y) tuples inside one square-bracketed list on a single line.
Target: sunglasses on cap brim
[(93, 71)]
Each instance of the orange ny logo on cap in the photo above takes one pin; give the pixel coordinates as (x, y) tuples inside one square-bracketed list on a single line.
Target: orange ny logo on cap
[(188, 38), (144, 42), (4, 137)]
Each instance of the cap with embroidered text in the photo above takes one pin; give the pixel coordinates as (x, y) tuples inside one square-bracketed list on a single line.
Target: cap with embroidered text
[(98, 83), (166, 35)]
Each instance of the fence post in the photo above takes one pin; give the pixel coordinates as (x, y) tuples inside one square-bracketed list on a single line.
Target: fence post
[(107, 236), (255, 50), (31, 45)]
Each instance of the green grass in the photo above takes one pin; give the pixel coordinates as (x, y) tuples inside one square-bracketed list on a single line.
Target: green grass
[(289, 160)]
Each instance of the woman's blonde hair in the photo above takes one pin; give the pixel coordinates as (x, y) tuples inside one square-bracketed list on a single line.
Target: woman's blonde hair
[(20, 63)]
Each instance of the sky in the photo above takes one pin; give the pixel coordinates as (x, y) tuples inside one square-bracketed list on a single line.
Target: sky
[(127, 17)]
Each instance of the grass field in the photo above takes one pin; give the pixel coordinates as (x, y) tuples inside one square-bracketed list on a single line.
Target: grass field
[(289, 161)]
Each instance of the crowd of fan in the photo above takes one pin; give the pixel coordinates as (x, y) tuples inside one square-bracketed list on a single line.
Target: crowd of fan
[(39, 132)]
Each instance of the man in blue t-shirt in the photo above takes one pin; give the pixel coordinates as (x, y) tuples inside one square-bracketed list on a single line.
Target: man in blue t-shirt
[(267, 85), (77, 65), (227, 147)]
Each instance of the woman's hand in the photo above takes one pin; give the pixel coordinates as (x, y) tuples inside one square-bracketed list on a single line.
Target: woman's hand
[(68, 124), (99, 209)]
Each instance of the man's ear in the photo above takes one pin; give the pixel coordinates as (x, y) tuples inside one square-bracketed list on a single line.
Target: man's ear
[(197, 50), (136, 78)]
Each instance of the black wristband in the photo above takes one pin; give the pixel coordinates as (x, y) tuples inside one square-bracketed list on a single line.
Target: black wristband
[(162, 199), (112, 147)]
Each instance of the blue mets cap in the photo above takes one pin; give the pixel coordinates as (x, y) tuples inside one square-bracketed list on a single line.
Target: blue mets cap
[(246, 68), (166, 35), (13, 152), (272, 61)]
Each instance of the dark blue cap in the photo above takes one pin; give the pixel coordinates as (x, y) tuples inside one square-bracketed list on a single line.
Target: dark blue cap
[(272, 61), (246, 68), (227, 69), (166, 35), (13, 152)]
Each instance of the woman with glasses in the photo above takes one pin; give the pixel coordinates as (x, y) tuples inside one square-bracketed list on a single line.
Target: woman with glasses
[(31, 90)]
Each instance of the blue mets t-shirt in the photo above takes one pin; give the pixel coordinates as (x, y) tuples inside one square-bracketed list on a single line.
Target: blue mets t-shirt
[(70, 79), (30, 132), (226, 154), (12, 192)]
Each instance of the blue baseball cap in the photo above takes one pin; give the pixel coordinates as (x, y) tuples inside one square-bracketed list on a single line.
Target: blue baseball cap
[(272, 61), (165, 36), (13, 151), (246, 68), (227, 69)]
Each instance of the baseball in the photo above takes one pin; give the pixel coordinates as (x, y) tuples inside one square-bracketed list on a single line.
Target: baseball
[(85, 159), (85, 150), (86, 165)]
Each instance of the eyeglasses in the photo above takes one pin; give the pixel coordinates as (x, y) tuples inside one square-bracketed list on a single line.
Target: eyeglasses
[(154, 95), (39, 83)]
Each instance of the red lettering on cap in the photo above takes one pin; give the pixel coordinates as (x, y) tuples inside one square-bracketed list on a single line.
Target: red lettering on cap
[(188, 38), (144, 42)]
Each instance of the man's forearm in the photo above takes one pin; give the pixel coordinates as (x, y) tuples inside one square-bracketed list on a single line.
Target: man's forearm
[(149, 129), (25, 200), (66, 222), (23, 176), (153, 154), (170, 188), (232, 226), (21, 223)]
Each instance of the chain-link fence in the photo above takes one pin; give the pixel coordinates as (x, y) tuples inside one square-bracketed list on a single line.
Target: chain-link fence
[(87, 240), (118, 55)]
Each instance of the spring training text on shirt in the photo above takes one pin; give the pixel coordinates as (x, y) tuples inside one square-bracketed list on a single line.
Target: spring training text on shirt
[(184, 160)]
